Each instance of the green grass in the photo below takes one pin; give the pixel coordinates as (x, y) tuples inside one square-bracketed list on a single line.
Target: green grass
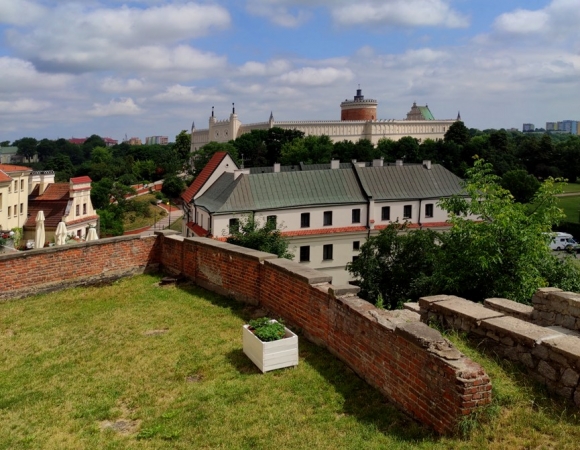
[(167, 364), (572, 187), (134, 221), (571, 207)]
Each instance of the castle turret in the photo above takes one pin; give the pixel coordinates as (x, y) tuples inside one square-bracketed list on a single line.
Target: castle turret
[(358, 108)]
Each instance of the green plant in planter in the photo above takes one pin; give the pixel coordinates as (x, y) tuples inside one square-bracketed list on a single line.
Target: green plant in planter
[(266, 329)]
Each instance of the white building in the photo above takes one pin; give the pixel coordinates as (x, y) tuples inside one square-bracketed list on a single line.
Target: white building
[(358, 121), (326, 210)]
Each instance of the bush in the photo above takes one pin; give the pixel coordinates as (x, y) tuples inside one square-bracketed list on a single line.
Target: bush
[(266, 329)]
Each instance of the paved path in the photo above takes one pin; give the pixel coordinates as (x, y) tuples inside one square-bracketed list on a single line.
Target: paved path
[(163, 222)]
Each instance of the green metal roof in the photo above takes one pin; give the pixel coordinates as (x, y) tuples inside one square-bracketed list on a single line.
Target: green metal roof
[(282, 190), (408, 182), (426, 113)]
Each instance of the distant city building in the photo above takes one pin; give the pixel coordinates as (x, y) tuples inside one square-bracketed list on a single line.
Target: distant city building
[(80, 141), (358, 121), (135, 141), (568, 126), (551, 126), (528, 127), (160, 140)]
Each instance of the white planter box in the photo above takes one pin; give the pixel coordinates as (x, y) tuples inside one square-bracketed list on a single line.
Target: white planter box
[(271, 355)]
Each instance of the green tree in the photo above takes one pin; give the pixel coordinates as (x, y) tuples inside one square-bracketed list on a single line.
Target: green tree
[(457, 133), (182, 146), (521, 184), (497, 247), (396, 265), (309, 150), (173, 186), (205, 153), (26, 147), (250, 233)]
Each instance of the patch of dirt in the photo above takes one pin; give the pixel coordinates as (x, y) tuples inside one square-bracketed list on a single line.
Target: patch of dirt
[(255, 312), (155, 332), (121, 426), (9, 333), (194, 378)]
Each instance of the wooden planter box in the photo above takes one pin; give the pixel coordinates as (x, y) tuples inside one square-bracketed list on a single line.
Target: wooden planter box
[(271, 355)]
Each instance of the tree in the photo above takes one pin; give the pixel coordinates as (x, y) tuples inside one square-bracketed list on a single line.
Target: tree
[(457, 133), (205, 153), (395, 265), (249, 233), (173, 186), (309, 150), (182, 145), (521, 184), (497, 247), (26, 147)]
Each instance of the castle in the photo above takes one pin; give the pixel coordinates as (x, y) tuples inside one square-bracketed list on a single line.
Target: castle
[(358, 120)]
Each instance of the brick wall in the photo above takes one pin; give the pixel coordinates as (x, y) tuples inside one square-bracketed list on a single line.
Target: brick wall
[(48, 269), (410, 363), (551, 355)]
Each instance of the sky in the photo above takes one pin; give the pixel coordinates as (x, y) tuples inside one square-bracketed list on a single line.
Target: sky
[(138, 68)]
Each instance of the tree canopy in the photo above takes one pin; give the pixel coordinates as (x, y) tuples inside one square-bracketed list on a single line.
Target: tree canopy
[(250, 233)]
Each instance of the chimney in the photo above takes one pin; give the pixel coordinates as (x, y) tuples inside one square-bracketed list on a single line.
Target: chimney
[(427, 164), (335, 164), (378, 162), (276, 167), (399, 162), (239, 172)]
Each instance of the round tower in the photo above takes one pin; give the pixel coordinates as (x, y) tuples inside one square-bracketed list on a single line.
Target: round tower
[(358, 108)]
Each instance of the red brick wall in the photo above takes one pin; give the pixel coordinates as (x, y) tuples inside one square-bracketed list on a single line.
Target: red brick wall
[(47, 269), (359, 114), (409, 363)]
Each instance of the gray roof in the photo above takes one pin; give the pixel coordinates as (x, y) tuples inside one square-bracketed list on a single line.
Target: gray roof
[(304, 188), (408, 182), (281, 190)]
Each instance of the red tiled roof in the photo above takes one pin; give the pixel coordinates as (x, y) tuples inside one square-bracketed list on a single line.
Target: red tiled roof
[(54, 191), (77, 140), (424, 225), (12, 168), (4, 177), (200, 180), (81, 220), (79, 180), (53, 212), (198, 230)]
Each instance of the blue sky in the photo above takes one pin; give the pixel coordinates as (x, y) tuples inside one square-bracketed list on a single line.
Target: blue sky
[(150, 67)]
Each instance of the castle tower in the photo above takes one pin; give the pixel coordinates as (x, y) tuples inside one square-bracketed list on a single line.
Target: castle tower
[(358, 108)]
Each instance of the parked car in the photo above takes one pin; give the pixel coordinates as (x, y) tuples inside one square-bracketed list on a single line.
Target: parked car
[(563, 241)]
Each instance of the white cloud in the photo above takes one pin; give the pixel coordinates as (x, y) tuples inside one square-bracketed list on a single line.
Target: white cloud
[(17, 74), (559, 19), (23, 106), (406, 13), (116, 107), (74, 38), (185, 94), (20, 12), (115, 85), (253, 68), (310, 76)]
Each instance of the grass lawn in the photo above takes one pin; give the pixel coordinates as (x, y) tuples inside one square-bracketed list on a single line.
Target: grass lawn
[(572, 187), (571, 206), (136, 366), (135, 221)]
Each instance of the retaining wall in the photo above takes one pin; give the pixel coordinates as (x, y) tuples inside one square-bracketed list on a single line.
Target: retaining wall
[(53, 268), (551, 355), (410, 363)]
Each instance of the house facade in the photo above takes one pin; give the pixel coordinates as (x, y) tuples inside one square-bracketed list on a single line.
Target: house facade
[(327, 211), (13, 196)]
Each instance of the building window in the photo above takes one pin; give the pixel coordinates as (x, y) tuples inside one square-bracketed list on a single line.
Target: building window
[(356, 245), (0, 201), (21, 208), (15, 185), (21, 185), (429, 210), (386, 213), (79, 233), (271, 221), (78, 210), (234, 225), (327, 220), (304, 220), (354, 258), (407, 211), (356, 215), (9, 211), (84, 208), (327, 252), (304, 253)]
